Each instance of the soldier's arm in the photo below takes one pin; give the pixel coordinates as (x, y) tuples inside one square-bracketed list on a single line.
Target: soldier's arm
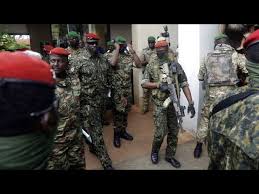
[(202, 70), (188, 95), (240, 61), (146, 81), (183, 83), (74, 75), (143, 59), (134, 56), (115, 55)]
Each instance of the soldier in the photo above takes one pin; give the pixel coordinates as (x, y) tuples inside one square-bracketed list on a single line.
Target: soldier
[(68, 152), (121, 87), (172, 54), (28, 112), (144, 57), (165, 118), (219, 75), (233, 139), (73, 42), (92, 68)]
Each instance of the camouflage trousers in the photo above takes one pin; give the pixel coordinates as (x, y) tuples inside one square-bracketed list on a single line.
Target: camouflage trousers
[(68, 154), (146, 99), (92, 119), (120, 112), (224, 155), (120, 120), (165, 124), (212, 94)]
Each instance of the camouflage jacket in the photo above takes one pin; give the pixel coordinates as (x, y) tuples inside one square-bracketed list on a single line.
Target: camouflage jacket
[(234, 133), (120, 75), (239, 60), (153, 73), (73, 62), (146, 53), (68, 111), (93, 75), (212, 71)]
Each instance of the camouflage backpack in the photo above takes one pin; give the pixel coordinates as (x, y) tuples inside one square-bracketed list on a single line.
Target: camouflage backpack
[(220, 69)]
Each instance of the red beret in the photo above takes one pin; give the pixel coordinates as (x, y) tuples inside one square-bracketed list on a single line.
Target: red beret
[(252, 38), (161, 43), (47, 48), (59, 51), (92, 36), (17, 65)]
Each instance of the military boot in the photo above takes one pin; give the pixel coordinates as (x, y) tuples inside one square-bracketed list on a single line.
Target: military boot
[(154, 157), (126, 135), (109, 167), (198, 150), (117, 140), (175, 163)]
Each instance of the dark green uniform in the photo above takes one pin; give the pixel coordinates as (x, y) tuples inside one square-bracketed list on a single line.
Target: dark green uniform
[(165, 118)]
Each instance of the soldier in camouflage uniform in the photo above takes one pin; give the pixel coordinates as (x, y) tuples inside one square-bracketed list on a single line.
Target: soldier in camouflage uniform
[(233, 139), (73, 42), (144, 57), (121, 61), (75, 53), (92, 68), (165, 118), (68, 152), (220, 76)]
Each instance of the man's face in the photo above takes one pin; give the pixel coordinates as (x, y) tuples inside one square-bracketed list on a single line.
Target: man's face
[(162, 52), (92, 47), (151, 44), (73, 42), (58, 63)]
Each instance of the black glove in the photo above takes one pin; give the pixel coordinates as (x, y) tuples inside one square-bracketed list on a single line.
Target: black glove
[(163, 87), (191, 109)]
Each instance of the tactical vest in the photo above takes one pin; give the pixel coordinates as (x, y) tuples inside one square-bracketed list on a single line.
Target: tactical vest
[(220, 71)]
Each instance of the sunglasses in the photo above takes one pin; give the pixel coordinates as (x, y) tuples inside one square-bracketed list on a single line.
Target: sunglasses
[(53, 106)]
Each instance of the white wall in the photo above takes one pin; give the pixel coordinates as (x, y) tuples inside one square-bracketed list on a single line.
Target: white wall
[(189, 58), (195, 41)]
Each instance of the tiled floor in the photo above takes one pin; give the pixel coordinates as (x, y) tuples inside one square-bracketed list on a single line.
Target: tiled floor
[(136, 154)]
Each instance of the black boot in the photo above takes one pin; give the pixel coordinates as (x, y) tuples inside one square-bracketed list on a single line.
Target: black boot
[(117, 140), (198, 150), (154, 157), (109, 167), (173, 162), (126, 135)]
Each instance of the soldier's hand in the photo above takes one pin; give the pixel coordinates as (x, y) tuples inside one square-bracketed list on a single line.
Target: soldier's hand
[(131, 50), (163, 87), (191, 110), (124, 101)]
